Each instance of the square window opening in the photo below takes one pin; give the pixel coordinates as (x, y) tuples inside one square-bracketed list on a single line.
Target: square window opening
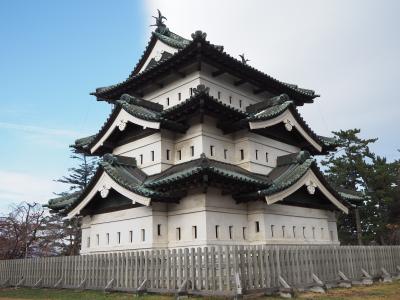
[(194, 232), (230, 232), (217, 231), (159, 229)]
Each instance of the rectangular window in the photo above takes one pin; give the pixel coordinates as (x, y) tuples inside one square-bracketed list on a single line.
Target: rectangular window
[(88, 242), (272, 230), (313, 233), (283, 231), (98, 239), (304, 232), (119, 237), (230, 99), (108, 238), (230, 232), (192, 150), (241, 154), (256, 154), (219, 95), (217, 231), (294, 232), (152, 155), (179, 154), (178, 233), (130, 236), (322, 233), (240, 103), (143, 235), (191, 92), (168, 154), (179, 96), (244, 232), (194, 232), (225, 153), (141, 159), (331, 234), (266, 156), (159, 229), (257, 226), (167, 101), (212, 150)]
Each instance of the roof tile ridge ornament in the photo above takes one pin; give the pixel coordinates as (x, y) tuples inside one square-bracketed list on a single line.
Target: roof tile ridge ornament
[(161, 27), (243, 59), (294, 158), (204, 161), (113, 160), (109, 159), (268, 103), (201, 89), (199, 35), (140, 102)]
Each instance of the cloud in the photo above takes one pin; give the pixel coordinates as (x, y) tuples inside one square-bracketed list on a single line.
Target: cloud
[(17, 187), (345, 50), (38, 130)]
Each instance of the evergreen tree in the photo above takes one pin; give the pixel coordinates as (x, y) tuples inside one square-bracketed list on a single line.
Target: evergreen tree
[(77, 179), (354, 166), (348, 167)]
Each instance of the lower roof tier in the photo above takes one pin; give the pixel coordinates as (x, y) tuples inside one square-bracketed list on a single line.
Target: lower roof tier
[(296, 181)]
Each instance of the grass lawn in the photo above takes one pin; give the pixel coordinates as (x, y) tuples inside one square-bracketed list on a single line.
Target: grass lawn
[(387, 291)]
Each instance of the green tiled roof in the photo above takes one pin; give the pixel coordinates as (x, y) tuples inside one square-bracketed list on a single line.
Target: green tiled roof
[(139, 111), (270, 112), (290, 168), (63, 202), (205, 165), (276, 106), (208, 52), (172, 39)]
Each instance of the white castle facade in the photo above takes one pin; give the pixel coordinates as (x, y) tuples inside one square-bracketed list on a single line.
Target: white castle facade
[(200, 150)]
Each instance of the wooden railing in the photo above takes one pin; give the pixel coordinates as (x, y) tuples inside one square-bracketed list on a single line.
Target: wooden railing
[(209, 270)]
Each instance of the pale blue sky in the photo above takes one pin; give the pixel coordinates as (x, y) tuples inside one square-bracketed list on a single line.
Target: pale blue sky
[(54, 53)]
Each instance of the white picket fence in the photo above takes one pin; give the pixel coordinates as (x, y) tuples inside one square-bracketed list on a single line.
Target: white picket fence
[(210, 270)]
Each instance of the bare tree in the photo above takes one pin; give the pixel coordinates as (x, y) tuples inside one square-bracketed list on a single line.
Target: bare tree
[(28, 231)]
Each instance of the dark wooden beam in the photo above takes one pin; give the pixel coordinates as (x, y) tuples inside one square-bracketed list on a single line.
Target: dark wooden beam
[(198, 58), (257, 91), (159, 84), (179, 73), (218, 73), (239, 82)]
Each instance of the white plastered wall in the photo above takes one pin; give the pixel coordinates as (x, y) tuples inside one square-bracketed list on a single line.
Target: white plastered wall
[(206, 211)]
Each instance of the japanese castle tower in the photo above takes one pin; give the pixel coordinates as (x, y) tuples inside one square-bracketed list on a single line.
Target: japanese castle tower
[(203, 149)]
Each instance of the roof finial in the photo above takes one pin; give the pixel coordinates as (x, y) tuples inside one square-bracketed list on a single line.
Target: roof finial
[(161, 27), (244, 60)]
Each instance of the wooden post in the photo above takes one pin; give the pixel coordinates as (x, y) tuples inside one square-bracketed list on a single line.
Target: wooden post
[(38, 283), (109, 285), (386, 276), (20, 283), (358, 226), (58, 283), (142, 287)]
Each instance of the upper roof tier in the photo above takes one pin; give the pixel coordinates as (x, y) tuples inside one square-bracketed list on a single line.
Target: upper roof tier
[(182, 53), (276, 117)]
